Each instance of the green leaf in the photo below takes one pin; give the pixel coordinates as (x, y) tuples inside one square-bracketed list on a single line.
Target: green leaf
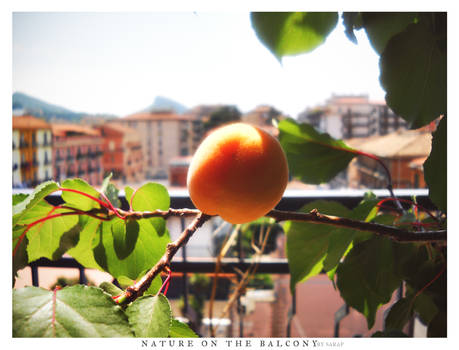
[(181, 330), (413, 73), (76, 200), (307, 243), (128, 192), (19, 197), (425, 307), (150, 316), (393, 333), (20, 258), (149, 197), (313, 157), (400, 313), (435, 167), (38, 194), (352, 21), (110, 288), (77, 311), (110, 252), (368, 276), (88, 239), (112, 194), (292, 33), (154, 286), (45, 237), (438, 326), (106, 182), (125, 234), (381, 26)]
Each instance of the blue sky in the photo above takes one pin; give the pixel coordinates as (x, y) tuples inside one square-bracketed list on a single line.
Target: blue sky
[(118, 62)]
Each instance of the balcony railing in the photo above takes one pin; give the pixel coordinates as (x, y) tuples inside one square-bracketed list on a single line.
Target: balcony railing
[(292, 200)]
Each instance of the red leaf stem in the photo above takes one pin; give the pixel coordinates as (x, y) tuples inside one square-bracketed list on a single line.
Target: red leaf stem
[(112, 208), (102, 203), (416, 205), (166, 283)]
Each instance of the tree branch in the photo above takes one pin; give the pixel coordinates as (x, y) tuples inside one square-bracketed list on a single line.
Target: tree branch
[(135, 291), (393, 233)]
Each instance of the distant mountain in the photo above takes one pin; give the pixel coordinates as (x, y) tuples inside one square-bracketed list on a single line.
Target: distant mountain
[(39, 108), (163, 103)]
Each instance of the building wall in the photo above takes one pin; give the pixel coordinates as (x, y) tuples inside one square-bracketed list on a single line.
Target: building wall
[(16, 160), (162, 140), (44, 155), (78, 156)]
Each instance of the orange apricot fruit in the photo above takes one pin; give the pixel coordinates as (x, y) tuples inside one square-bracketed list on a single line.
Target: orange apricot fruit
[(238, 172)]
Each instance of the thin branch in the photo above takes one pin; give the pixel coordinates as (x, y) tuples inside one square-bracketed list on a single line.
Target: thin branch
[(135, 291), (393, 233), (136, 215)]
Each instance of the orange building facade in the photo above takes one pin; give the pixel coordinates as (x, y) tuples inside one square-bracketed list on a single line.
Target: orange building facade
[(32, 151), (123, 156)]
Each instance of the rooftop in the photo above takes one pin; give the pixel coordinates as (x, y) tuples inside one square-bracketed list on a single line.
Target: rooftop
[(63, 129), (29, 122), (406, 143)]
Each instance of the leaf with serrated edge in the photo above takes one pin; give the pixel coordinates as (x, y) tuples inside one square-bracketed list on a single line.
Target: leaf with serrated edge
[(181, 330), (150, 316), (77, 311), (368, 276), (39, 193), (307, 243)]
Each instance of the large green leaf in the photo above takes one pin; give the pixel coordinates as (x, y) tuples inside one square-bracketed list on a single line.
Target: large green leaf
[(149, 197), (45, 237), (89, 237), (435, 167), (368, 276), (181, 330), (110, 251), (313, 157), (400, 313), (307, 243), (150, 316), (38, 194), (292, 33), (381, 26), (76, 200), (312, 248), (413, 73), (77, 311)]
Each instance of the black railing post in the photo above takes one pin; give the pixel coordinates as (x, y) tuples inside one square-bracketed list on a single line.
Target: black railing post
[(83, 279), (34, 269)]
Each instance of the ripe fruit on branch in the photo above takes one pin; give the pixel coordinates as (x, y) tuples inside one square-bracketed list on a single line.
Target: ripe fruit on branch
[(238, 172)]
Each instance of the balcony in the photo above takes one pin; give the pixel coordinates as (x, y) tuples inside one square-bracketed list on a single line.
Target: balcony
[(183, 266)]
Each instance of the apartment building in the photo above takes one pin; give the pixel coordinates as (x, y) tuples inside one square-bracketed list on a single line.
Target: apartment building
[(32, 152), (163, 135), (345, 117), (122, 153), (403, 152), (77, 152)]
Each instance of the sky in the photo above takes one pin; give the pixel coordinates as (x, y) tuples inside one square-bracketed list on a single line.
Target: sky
[(117, 63)]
